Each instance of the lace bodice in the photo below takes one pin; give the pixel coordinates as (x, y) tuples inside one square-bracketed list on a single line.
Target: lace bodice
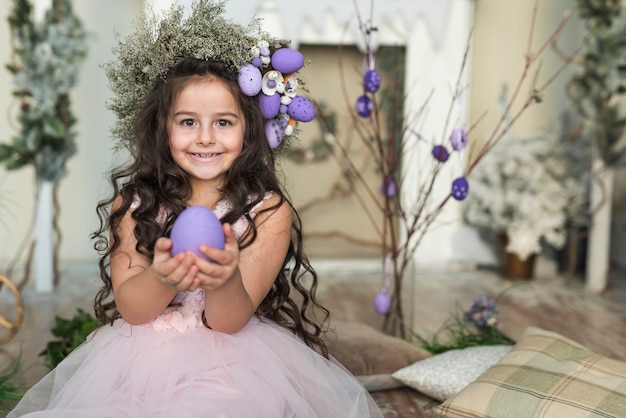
[(185, 311)]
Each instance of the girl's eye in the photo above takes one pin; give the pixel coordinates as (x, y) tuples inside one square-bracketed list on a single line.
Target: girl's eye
[(187, 122), (223, 122)]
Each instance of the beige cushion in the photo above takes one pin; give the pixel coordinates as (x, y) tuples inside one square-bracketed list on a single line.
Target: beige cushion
[(371, 355), (544, 375)]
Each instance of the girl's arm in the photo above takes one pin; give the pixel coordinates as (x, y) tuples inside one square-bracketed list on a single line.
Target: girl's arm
[(142, 287), (234, 290)]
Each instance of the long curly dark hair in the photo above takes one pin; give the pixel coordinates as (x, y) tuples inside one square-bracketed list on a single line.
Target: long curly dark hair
[(159, 183)]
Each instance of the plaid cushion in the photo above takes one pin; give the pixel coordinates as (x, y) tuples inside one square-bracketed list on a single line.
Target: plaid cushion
[(544, 375)]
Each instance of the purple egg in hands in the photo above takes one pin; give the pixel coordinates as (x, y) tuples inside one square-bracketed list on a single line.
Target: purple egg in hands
[(382, 303), (195, 226)]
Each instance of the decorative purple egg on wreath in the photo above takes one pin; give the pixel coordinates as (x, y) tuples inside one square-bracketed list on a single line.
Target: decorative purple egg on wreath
[(371, 81), (195, 226), (382, 303), (274, 133), (460, 188), (301, 109), (458, 139), (270, 105), (250, 80), (364, 106), (287, 60), (440, 153)]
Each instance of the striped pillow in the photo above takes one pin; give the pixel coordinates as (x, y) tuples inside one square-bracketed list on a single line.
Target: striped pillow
[(544, 375)]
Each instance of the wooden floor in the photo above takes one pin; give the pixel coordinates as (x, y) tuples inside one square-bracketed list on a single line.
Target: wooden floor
[(596, 321)]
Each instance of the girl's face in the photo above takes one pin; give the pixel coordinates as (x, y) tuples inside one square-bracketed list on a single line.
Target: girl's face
[(206, 129)]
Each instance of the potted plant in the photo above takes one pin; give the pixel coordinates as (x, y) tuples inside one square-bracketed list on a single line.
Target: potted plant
[(529, 192)]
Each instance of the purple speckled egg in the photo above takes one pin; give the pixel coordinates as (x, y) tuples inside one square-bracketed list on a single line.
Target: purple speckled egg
[(301, 109), (364, 106), (250, 80), (458, 139), (382, 303), (270, 105), (287, 60), (440, 153), (371, 81), (195, 226), (274, 133), (460, 188)]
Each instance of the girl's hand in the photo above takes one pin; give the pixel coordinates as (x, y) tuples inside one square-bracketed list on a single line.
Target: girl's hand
[(213, 274), (178, 272)]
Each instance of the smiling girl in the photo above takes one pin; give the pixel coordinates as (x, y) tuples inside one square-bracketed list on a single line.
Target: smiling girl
[(238, 336)]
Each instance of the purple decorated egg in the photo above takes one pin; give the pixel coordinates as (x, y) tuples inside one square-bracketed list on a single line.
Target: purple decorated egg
[(371, 81), (458, 139), (287, 60), (270, 105), (460, 188), (250, 80), (382, 303), (274, 133), (364, 106), (440, 153), (388, 188), (301, 109), (195, 226)]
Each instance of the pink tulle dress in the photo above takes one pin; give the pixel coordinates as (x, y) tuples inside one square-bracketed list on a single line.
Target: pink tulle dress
[(175, 367)]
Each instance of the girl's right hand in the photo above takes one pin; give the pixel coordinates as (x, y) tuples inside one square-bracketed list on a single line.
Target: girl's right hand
[(178, 272)]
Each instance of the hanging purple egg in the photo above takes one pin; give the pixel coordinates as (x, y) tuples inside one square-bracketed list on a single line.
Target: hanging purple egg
[(388, 187), (460, 188), (287, 60), (458, 139), (364, 106), (382, 303), (301, 109), (270, 105), (250, 80), (371, 81), (440, 153), (195, 226), (274, 133)]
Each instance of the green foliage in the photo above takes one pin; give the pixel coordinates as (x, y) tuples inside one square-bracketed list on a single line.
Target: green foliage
[(11, 390), (475, 327), (45, 67), (596, 89), (70, 334)]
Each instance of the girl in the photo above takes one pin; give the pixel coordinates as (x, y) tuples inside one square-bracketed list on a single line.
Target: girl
[(234, 337)]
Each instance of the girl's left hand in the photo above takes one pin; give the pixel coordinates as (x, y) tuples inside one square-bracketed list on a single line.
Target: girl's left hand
[(213, 274)]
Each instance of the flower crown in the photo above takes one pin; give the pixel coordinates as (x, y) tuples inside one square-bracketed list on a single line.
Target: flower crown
[(266, 66)]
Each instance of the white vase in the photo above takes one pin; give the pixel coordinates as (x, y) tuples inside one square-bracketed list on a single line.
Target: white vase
[(44, 261)]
